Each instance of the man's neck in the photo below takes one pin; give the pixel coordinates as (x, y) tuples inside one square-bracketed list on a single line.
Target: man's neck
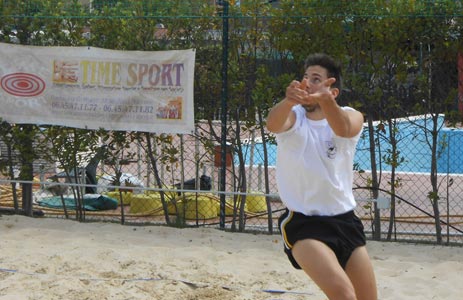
[(315, 115)]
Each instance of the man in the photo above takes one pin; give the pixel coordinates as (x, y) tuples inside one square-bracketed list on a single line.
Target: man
[(314, 171)]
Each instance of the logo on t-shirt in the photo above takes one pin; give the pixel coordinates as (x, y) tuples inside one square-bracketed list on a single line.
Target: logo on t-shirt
[(330, 149)]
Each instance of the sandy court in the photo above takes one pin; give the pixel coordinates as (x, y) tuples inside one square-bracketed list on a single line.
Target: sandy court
[(59, 259)]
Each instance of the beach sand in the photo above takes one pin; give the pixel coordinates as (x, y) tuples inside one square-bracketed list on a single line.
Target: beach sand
[(64, 259)]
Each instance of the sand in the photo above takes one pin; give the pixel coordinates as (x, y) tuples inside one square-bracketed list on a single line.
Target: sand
[(64, 259)]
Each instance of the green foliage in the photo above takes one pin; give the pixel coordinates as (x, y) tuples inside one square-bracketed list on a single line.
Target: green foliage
[(433, 197), (6, 135), (69, 147)]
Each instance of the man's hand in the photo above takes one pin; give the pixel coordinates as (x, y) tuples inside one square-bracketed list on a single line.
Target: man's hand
[(296, 92), (320, 92), (306, 93)]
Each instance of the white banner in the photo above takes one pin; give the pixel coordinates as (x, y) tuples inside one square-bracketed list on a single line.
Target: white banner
[(86, 87)]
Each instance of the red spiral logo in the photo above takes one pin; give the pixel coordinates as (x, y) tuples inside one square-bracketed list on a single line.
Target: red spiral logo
[(23, 84)]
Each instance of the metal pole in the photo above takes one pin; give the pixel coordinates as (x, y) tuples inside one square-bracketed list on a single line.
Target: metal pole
[(223, 153)]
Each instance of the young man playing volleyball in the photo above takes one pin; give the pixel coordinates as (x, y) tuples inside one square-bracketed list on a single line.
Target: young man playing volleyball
[(316, 145)]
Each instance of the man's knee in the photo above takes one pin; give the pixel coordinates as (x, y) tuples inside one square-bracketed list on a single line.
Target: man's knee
[(341, 292)]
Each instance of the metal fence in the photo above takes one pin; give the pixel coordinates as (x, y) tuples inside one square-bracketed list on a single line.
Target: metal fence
[(404, 213), (179, 180)]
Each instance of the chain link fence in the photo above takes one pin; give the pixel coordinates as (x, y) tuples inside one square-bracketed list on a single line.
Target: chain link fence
[(399, 211), (408, 165)]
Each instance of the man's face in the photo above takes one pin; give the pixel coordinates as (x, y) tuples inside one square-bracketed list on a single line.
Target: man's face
[(315, 75)]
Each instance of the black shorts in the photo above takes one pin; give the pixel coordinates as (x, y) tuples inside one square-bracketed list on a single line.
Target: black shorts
[(342, 233)]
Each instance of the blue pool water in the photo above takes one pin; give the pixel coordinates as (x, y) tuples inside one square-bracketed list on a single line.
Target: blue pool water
[(414, 147)]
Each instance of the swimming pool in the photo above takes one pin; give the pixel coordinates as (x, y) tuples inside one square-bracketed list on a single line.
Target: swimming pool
[(415, 151)]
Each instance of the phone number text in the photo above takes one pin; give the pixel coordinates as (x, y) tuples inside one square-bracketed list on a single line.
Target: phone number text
[(108, 108)]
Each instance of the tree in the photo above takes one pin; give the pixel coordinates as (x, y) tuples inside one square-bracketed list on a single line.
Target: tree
[(438, 45)]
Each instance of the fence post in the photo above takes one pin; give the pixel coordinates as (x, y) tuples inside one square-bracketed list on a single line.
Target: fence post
[(223, 169)]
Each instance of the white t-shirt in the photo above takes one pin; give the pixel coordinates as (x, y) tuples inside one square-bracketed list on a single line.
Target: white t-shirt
[(314, 168)]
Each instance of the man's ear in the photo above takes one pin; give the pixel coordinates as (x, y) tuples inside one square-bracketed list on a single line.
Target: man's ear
[(334, 92)]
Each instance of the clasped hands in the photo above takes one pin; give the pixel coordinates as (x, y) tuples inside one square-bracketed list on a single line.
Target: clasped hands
[(306, 93)]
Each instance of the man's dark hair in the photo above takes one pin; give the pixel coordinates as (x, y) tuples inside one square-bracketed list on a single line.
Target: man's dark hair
[(327, 62)]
